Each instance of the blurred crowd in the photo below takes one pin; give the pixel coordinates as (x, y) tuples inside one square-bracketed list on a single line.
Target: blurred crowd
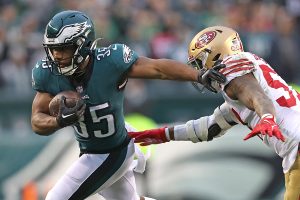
[(155, 28)]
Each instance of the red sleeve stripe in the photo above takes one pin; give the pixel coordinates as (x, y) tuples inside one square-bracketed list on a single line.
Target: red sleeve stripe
[(238, 69), (236, 61), (228, 58), (229, 68)]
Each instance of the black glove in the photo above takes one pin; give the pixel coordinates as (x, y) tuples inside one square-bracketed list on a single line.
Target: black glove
[(68, 116), (205, 77)]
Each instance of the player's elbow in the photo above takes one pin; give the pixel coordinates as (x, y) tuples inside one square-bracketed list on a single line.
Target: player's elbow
[(37, 129)]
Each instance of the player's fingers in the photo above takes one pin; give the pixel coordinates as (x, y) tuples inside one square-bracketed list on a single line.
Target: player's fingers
[(218, 77), (219, 66), (62, 101), (80, 112), (264, 132), (138, 140), (79, 104), (250, 135), (133, 134), (253, 133), (136, 135), (269, 132), (145, 144), (282, 138), (279, 135)]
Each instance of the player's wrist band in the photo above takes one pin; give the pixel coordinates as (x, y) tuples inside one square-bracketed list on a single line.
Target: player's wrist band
[(167, 133)]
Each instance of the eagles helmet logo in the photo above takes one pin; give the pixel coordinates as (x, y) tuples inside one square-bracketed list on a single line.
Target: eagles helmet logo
[(68, 33), (205, 39)]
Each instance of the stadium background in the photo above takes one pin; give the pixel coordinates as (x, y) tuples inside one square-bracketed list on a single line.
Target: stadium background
[(227, 168)]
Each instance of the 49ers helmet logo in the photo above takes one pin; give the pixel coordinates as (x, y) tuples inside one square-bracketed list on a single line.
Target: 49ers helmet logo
[(205, 39)]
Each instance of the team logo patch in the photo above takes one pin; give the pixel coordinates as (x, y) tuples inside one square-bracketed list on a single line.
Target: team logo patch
[(205, 39), (127, 54)]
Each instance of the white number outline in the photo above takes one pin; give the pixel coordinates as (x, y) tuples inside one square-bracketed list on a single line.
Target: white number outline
[(97, 133)]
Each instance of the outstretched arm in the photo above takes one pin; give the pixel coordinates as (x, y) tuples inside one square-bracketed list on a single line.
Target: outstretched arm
[(203, 129), (162, 69), (168, 69), (247, 90)]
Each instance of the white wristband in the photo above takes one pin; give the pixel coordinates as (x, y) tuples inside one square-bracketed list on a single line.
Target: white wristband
[(167, 133)]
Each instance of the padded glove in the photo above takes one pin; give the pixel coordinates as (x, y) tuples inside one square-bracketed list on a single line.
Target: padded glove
[(147, 137), (68, 116), (205, 77), (266, 126)]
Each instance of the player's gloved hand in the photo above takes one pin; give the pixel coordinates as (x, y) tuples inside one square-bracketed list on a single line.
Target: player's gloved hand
[(205, 77), (68, 116), (266, 126), (153, 136)]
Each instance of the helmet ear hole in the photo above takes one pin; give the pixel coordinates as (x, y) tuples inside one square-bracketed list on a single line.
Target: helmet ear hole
[(216, 57)]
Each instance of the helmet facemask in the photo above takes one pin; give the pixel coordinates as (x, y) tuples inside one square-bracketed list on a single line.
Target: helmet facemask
[(198, 63), (56, 67)]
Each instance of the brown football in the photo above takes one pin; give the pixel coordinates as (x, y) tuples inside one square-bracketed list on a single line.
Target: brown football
[(71, 98)]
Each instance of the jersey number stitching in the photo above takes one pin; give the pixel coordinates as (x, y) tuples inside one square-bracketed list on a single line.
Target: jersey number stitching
[(109, 119)]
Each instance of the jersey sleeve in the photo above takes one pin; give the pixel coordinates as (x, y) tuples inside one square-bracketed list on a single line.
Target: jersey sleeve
[(37, 79), (237, 65), (123, 57)]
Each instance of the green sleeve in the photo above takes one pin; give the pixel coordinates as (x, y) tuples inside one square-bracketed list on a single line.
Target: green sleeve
[(37, 76), (123, 57)]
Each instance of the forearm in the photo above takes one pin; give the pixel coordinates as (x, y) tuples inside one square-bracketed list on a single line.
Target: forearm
[(247, 90), (162, 69), (205, 128), (44, 124), (263, 105), (173, 70)]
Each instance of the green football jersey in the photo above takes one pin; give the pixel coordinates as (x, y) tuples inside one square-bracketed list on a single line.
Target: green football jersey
[(102, 128)]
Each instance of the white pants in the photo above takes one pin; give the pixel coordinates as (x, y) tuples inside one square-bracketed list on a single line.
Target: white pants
[(110, 175)]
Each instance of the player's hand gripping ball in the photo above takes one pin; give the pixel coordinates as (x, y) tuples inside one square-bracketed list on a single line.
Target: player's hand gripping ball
[(67, 107)]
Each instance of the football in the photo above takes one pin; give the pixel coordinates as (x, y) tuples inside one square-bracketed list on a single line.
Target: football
[(71, 98)]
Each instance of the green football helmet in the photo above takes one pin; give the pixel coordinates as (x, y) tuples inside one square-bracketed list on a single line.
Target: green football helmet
[(69, 29)]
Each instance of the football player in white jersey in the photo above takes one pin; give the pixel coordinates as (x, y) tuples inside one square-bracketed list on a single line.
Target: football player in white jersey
[(255, 96)]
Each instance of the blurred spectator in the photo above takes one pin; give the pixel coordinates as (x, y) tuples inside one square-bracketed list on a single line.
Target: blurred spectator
[(16, 74), (285, 49), (3, 51), (164, 43)]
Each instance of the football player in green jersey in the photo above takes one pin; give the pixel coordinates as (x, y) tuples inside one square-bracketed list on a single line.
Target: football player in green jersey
[(99, 75)]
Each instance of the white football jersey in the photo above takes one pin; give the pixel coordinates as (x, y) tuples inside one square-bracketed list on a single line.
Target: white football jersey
[(285, 99)]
